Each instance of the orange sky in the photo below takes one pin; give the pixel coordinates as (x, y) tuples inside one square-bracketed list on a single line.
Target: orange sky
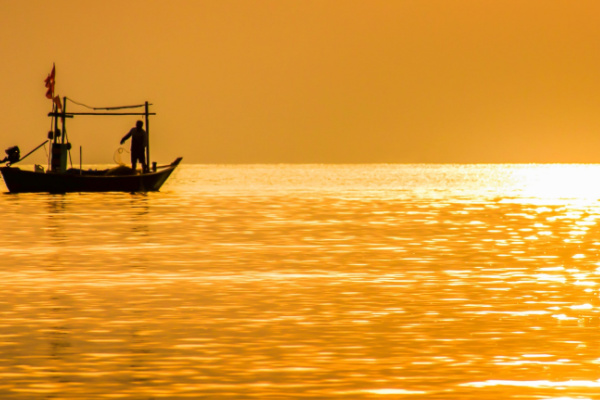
[(300, 81)]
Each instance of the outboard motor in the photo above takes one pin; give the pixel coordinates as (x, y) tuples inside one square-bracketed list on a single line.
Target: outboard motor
[(13, 154)]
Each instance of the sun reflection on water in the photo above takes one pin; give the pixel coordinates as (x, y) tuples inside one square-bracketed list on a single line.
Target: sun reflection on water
[(561, 181), (425, 282), (553, 184)]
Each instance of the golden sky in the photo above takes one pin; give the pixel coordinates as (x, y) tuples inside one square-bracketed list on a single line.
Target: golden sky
[(302, 81)]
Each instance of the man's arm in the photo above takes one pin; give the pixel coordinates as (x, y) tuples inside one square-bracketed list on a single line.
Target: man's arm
[(126, 137)]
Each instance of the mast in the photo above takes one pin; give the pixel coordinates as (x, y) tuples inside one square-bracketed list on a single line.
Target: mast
[(147, 138), (64, 127), (60, 147), (55, 123)]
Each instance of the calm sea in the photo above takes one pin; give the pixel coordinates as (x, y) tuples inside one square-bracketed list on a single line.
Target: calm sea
[(307, 282)]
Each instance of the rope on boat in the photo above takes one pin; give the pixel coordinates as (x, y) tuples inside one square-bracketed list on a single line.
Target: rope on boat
[(69, 148), (105, 108), (117, 156), (31, 152)]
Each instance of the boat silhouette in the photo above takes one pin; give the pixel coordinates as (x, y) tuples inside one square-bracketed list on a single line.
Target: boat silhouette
[(59, 179)]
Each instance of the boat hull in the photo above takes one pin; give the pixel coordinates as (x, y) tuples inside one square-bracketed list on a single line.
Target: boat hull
[(19, 181)]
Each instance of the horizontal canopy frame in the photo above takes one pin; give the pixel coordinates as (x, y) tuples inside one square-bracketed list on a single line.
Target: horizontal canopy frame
[(70, 115)]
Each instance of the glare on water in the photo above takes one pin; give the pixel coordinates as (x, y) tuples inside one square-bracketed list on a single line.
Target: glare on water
[(307, 281)]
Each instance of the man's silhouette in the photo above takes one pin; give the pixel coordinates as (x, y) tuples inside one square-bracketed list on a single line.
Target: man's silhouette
[(139, 142)]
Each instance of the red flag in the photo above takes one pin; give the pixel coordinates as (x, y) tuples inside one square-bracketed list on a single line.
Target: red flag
[(57, 102), (50, 83)]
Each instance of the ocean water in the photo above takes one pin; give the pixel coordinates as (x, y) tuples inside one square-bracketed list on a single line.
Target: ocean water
[(307, 282)]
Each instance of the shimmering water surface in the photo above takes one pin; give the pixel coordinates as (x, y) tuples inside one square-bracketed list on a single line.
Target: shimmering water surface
[(321, 282)]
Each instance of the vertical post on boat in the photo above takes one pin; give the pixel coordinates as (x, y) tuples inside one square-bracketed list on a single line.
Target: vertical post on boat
[(80, 156), (62, 116), (54, 153), (148, 138), (65, 137), (55, 111), (59, 147), (54, 131)]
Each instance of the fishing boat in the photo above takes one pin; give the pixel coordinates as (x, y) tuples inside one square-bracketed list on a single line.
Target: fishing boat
[(60, 179)]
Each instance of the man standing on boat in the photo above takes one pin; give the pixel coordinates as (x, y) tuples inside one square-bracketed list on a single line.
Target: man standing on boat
[(139, 142)]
